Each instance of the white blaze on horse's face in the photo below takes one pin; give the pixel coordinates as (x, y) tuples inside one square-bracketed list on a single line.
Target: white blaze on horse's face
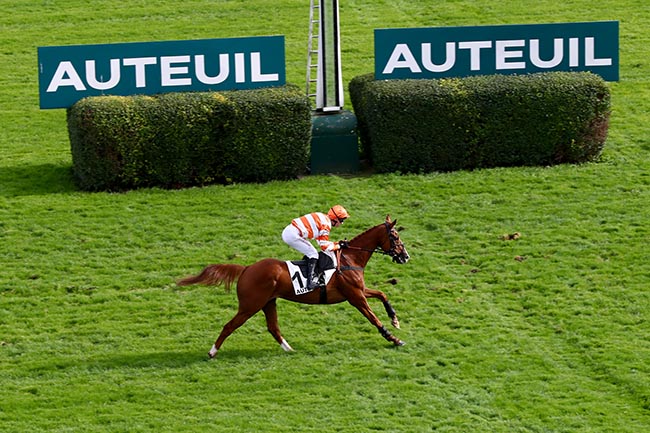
[(406, 255), (397, 248), (402, 257)]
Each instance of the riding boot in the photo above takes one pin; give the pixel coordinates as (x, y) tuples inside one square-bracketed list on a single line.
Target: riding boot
[(312, 278)]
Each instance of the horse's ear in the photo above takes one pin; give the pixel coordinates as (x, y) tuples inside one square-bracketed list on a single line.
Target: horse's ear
[(388, 218), (388, 221)]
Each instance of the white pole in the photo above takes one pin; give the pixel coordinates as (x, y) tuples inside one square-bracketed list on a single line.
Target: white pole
[(329, 85)]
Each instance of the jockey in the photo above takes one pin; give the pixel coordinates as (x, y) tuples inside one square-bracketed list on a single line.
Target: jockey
[(315, 226)]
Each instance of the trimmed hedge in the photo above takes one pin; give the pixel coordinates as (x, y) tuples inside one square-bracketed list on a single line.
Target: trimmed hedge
[(482, 121), (178, 140)]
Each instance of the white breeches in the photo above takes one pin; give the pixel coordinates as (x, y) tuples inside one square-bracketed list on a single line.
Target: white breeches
[(292, 237)]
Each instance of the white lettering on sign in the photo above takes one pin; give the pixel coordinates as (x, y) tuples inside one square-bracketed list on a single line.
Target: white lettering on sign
[(507, 55), (558, 54), (503, 54), (140, 64), (101, 84), (402, 51), (574, 51), (240, 76), (167, 70), (224, 70), (450, 56), (475, 48), (66, 75), (174, 71), (590, 60), (256, 70)]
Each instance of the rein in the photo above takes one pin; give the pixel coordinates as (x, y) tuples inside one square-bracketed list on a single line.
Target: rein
[(376, 250), (340, 269)]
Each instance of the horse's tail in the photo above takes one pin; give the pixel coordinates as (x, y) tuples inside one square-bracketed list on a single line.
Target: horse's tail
[(215, 275)]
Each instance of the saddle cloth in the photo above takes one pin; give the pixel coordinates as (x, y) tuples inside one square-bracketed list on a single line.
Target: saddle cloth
[(298, 271)]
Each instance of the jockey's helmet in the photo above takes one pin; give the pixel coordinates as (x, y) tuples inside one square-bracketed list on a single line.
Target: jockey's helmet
[(337, 212)]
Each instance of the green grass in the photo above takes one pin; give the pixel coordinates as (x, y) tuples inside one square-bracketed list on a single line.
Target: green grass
[(96, 337)]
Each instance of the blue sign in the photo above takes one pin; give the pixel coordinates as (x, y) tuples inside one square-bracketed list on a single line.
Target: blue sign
[(69, 73), (508, 49)]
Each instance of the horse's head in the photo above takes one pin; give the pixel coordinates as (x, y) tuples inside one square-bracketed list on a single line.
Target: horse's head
[(393, 245)]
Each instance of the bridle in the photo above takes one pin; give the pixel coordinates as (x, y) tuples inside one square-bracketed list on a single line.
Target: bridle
[(394, 244)]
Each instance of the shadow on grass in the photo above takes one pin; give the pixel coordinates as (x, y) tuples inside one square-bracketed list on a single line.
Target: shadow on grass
[(157, 360), (235, 355), (168, 360), (104, 362), (175, 359), (22, 180)]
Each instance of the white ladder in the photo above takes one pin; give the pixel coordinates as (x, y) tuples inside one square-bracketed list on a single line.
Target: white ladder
[(312, 49)]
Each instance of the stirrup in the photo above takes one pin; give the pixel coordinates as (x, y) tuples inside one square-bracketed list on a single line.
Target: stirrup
[(314, 282)]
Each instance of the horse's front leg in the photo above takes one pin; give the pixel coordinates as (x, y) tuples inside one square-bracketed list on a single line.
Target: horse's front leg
[(361, 304), (369, 293)]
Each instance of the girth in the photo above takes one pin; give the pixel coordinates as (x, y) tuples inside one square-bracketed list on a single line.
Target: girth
[(323, 294)]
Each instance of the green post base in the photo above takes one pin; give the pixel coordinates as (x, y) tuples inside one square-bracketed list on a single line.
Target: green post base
[(334, 143)]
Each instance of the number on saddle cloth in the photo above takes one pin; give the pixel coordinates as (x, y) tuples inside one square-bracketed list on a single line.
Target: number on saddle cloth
[(325, 268)]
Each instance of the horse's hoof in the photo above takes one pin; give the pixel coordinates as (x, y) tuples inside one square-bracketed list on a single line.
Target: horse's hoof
[(212, 353), (285, 346), (395, 323), (399, 343)]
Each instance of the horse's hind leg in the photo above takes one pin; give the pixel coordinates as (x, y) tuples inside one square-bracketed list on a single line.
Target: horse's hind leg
[(271, 313), (240, 318), (384, 299)]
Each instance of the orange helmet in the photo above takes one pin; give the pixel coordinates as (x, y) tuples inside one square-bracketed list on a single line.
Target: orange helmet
[(337, 212)]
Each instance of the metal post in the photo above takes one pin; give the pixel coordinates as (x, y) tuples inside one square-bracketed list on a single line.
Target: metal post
[(329, 90), (334, 142)]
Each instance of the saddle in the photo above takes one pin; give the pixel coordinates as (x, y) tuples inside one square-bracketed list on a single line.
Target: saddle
[(325, 268)]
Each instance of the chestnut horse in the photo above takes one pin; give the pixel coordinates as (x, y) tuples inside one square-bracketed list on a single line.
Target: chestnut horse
[(260, 284)]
